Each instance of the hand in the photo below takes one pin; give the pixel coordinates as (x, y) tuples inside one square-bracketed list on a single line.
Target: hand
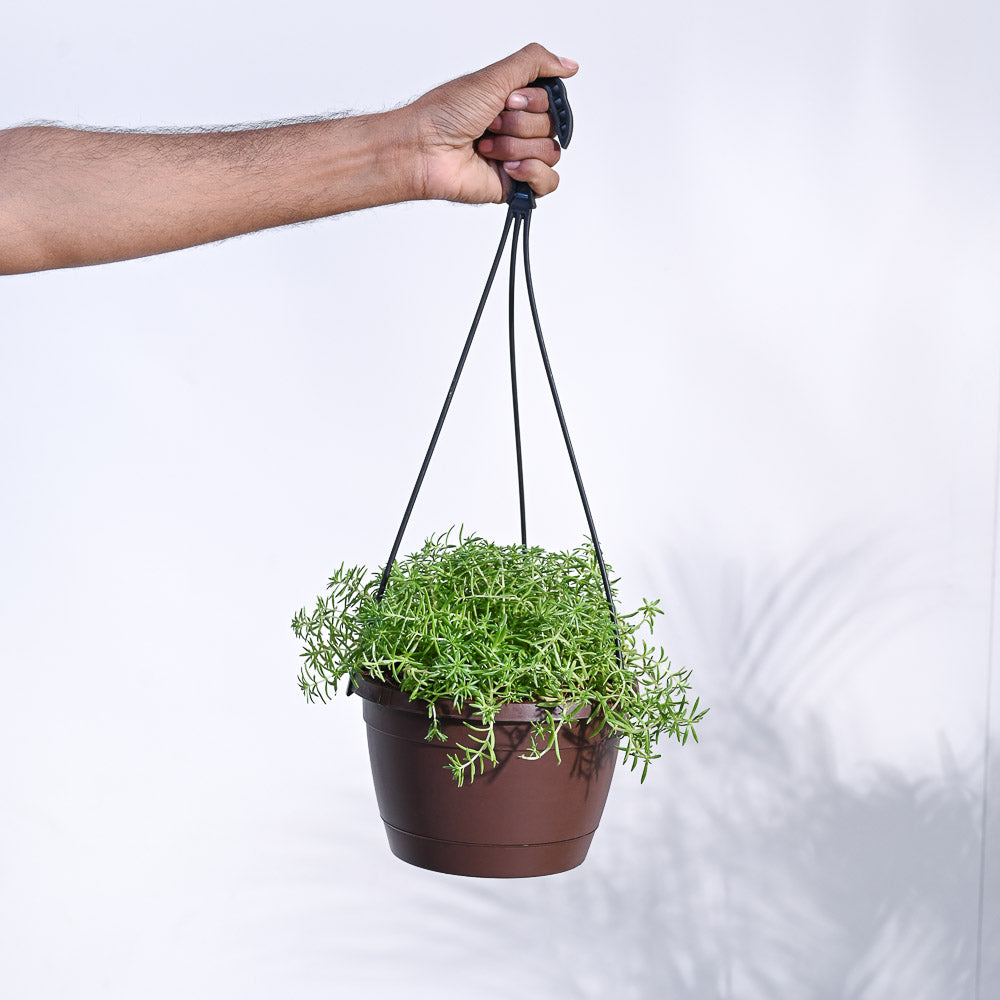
[(479, 133)]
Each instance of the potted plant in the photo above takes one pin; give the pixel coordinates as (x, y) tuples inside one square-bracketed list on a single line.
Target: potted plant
[(498, 691)]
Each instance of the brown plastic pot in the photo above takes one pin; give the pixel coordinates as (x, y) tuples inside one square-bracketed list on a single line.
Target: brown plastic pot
[(520, 818)]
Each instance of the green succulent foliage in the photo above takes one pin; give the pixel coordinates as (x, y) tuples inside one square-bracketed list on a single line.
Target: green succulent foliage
[(486, 625)]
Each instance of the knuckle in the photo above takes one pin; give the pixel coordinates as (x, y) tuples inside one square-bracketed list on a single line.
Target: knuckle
[(513, 123)]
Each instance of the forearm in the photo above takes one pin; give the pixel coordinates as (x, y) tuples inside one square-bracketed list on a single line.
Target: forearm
[(71, 197)]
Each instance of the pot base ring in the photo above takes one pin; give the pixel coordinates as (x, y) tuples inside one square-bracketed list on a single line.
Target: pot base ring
[(488, 860)]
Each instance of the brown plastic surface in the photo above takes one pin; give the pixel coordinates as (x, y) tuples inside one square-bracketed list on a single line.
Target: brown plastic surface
[(519, 819)]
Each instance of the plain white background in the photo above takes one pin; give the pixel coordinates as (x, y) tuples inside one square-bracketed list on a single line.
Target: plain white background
[(768, 281)]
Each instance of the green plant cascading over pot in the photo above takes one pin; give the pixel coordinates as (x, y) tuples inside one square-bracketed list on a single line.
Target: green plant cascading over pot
[(484, 625)]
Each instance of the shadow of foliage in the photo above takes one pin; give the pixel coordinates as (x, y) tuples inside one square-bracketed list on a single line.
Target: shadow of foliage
[(750, 867)]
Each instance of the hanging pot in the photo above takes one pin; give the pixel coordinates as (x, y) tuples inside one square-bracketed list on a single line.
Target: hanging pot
[(521, 817), (517, 819)]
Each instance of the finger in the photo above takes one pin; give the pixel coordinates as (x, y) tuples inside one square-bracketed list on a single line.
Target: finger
[(534, 99), (522, 125), (540, 177), (528, 64), (507, 147)]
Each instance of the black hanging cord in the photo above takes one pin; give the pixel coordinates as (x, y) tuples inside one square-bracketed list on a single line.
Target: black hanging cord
[(520, 217), (513, 379), (521, 202), (569, 443), (444, 411)]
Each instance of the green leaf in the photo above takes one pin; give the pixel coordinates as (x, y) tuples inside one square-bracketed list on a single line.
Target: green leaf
[(488, 625)]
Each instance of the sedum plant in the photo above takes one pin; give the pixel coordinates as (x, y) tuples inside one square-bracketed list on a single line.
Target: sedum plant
[(486, 625)]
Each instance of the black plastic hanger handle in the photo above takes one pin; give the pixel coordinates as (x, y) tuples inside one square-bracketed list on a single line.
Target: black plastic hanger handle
[(522, 198)]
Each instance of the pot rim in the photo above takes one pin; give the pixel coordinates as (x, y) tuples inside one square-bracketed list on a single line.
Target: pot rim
[(390, 696)]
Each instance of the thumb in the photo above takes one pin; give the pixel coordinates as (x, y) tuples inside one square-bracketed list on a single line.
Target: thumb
[(527, 65)]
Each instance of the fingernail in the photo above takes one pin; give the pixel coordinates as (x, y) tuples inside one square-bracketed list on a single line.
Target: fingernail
[(496, 124), (569, 63), (486, 145), (512, 165), (517, 101)]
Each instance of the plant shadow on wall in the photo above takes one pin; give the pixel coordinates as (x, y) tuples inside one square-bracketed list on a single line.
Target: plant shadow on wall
[(751, 868)]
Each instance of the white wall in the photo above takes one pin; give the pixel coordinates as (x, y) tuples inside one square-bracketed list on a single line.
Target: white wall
[(769, 285)]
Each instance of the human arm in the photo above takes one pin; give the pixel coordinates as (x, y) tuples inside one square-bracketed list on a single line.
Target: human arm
[(71, 197)]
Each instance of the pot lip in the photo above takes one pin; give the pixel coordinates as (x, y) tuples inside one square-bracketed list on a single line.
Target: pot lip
[(392, 697)]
